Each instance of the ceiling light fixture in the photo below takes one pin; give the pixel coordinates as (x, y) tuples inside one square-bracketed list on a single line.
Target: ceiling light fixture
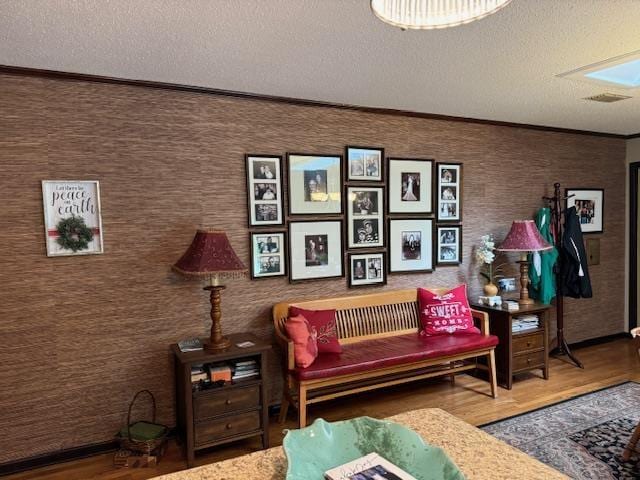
[(429, 14)]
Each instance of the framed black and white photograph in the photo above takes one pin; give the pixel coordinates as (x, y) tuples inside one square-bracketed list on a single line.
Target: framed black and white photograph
[(264, 188), (449, 192), (366, 269), (410, 186), (449, 241), (364, 164), (589, 203), (410, 245), (315, 250), (315, 184), (268, 254), (365, 210)]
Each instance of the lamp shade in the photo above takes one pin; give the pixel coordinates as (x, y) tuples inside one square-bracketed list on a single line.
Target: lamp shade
[(210, 254), (524, 237)]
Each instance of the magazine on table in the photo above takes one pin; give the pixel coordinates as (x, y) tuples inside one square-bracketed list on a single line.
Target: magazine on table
[(369, 467)]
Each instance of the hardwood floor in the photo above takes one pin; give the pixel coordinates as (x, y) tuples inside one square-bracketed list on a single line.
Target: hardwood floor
[(606, 364)]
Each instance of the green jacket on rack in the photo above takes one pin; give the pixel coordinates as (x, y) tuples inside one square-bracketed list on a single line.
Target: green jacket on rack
[(542, 279)]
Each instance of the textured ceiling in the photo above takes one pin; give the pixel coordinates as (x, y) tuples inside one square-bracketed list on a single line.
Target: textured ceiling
[(500, 68)]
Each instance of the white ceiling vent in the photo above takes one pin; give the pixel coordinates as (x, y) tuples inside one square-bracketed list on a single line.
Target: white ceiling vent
[(607, 98)]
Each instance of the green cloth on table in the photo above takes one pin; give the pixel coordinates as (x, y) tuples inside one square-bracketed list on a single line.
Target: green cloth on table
[(542, 285)]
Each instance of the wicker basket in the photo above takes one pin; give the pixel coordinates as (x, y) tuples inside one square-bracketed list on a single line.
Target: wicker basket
[(142, 446)]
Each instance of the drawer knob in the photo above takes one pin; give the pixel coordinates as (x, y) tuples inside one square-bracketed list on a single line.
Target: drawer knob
[(528, 344), (528, 360), (228, 426), (228, 402)]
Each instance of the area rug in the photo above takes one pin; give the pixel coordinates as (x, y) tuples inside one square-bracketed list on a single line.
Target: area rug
[(582, 437)]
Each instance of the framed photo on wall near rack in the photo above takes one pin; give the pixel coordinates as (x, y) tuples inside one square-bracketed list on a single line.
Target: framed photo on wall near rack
[(410, 245), (589, 203), (449, 241), (449, 192), (365, 207), (364, 164), (315, 184), (264, 190), (268, 254), (410, 186)]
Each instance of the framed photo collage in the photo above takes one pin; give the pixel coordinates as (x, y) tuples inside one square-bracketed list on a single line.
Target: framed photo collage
[(403, 215)]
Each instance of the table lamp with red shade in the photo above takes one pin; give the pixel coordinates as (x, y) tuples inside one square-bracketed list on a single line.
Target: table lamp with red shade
[(211, 257), (524, 237)]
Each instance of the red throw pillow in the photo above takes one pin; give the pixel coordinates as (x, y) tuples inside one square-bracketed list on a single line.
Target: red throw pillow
[(324, 322), (305, 349), (446, 313)]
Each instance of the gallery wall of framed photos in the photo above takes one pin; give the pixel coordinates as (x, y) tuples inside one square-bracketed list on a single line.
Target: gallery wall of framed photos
[(359, 214)]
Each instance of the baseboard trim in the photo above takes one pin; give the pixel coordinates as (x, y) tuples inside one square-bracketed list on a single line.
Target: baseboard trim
[(600, 340), (59, 456)]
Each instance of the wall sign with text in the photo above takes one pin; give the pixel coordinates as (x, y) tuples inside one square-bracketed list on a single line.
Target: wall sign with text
[(72, 217)]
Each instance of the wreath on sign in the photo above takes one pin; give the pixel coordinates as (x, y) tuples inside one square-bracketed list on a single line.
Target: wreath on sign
[(73, 234)]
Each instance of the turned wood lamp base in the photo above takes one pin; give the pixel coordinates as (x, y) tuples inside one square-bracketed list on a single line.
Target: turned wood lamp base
[(217, 343), (524, 281)]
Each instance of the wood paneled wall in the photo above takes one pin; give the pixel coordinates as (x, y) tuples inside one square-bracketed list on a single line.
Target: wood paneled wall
[(80, 335)]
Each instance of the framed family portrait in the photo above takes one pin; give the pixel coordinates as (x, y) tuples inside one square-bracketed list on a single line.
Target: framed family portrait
[(449, 192), (264, 189), (315, 250), (268, 254), (364, 164), (315, 184), (72, 217), (410, 186), (365, 217), (366, 269), (410, 245), (589, 203), (449, 241)]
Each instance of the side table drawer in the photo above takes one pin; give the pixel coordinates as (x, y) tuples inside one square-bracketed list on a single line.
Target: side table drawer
[(211, 403), (528, 343), (214, 430), (528, 361)]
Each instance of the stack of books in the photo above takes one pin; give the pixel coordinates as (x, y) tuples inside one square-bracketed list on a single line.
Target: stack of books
[(245, 370), (525, 322), (198, 373), (219, 371)]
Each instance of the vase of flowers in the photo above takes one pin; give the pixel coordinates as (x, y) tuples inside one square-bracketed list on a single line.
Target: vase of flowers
[(485, 254)]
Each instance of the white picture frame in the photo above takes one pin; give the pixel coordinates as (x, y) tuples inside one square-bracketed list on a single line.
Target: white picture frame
[(264, 190), (449, 192), (367, 269), (268, 254), (315, 250), (410, 186), (365, 216), (315, 184), (364, 164), (410, 245), (62, 199), (589, 203)]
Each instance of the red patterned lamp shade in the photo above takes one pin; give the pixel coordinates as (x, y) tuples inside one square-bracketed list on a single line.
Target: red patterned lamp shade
[(524, 237), (210, 254)]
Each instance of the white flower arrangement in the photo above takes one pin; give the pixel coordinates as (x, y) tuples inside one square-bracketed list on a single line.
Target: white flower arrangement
[(485, 255)]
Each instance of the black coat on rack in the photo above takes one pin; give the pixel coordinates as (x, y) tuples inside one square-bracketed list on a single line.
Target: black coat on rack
[(574, 272)]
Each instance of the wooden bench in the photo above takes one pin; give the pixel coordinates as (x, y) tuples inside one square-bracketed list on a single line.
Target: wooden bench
[(369, 321)]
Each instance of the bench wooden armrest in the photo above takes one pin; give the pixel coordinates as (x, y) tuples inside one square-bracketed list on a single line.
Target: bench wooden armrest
[(483, 317), (287, 345)]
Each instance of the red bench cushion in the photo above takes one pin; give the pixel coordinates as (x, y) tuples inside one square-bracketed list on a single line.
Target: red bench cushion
[(390, 351)]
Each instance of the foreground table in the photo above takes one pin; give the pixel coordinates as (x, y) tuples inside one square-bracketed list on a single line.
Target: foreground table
[(477, 454)]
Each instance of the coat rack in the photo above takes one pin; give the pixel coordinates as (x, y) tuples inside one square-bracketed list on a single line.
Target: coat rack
[(557, 202)]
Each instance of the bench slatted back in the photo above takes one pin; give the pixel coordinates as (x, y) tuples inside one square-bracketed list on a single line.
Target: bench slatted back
[(364, 316)]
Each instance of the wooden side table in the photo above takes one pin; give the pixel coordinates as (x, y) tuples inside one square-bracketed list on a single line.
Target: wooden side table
[(518, 352), (206, 418)]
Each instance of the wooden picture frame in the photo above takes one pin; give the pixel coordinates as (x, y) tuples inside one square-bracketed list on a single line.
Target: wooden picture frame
[(449, 245), (589, 203), (316, 250), (410, 245), (263, 211), (371, 273), (268, 254), (410, 186), (364, 164), (315, 184), (365, 217), (449, 192)]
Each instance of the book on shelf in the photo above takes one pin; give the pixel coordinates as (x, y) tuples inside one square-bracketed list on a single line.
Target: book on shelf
[(369, 466), (219, 372), (196, 377), (244, 376), (525, 322), (190, 345), (245, 364)]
